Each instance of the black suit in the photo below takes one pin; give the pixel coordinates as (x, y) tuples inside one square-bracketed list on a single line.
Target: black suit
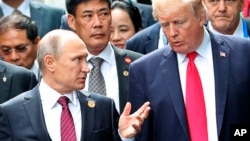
[(22, 118), (122, 66), (14, 80)]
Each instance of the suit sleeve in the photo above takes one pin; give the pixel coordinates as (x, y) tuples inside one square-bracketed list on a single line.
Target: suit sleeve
[(5, 134), (137, 98), (33, 81)]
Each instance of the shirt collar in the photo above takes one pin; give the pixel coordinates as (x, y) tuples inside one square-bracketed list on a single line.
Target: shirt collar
[(23, 7), (203, 50), (49, 96), (107, 54)]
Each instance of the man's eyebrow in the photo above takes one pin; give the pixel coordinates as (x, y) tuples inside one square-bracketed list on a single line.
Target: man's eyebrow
[(99, 10), (5, 46)]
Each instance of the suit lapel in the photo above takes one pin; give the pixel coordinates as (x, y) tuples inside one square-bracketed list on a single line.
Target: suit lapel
[(122, 79), (153, 38), (88, 116), (5, 82), (221, 60), (171, 75), (35, 114)]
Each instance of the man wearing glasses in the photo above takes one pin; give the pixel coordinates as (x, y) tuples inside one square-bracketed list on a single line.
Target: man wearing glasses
[(18, 41)]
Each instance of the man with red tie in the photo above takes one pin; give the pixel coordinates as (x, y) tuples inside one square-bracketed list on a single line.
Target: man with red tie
[(197, 86)]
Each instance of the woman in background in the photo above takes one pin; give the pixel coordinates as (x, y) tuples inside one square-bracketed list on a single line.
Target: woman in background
[(126, 21)]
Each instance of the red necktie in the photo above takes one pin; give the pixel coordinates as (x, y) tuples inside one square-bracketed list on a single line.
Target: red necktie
[(195, 105), (67, 124)]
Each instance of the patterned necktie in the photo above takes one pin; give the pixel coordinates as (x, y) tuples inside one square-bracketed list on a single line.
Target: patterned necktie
[(67, 124), (195, 105), (96, 80)]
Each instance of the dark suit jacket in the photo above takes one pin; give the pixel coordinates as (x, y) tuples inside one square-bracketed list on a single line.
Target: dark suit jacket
[(146, 40), (22, 118), (14, 80), (145, 10), (155, 78), (46, 17), (122, 71)]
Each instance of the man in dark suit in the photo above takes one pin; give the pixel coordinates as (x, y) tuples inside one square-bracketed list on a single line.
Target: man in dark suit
[(161, 77), (14, 80), (64, 70), (91, 20), (46, 17)]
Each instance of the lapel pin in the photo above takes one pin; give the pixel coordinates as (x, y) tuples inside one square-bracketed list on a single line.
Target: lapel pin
[(128, 60), (91, 103), (222, 54), (125, 73), (4, 79)]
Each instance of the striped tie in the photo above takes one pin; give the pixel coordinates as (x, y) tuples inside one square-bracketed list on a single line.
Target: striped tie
[(67, 124)]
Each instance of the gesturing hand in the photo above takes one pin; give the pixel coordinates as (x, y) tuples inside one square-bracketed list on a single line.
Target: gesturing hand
[(130, 125)]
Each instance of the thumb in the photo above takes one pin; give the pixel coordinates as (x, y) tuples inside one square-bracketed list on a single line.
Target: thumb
[(127, 109)]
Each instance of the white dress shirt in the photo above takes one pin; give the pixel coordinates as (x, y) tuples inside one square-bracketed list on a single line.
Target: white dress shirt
[(52, 111), (24, 8), (204, 64), (109, 72)]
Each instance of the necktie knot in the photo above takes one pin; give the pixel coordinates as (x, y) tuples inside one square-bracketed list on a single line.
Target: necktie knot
[(63, 100), (96, 62), (191, 56)]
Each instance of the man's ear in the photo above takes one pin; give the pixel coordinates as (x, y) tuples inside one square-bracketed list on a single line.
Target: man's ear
[(49, 63), (71, 21)]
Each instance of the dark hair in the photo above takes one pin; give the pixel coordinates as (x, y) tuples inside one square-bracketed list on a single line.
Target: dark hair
[(19, 21), (132, 11), (72, 4)]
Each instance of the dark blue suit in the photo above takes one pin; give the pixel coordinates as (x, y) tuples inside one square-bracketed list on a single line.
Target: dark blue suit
[(22, 118), (155, 78), (146, 40)]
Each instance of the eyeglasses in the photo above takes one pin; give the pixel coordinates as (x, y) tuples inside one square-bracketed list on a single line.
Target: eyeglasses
[(19, 49)]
